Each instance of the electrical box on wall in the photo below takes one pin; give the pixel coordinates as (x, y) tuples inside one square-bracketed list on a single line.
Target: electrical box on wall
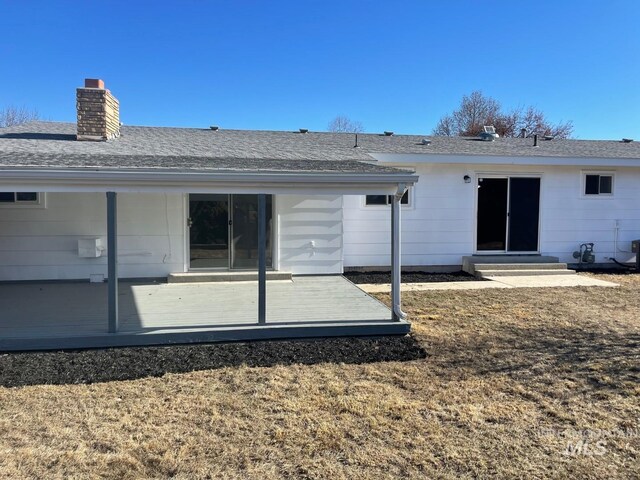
[(90, 247)]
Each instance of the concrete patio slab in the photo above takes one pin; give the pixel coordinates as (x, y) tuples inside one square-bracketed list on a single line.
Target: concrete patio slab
[(496, 282), (414, 287), (552, 281)]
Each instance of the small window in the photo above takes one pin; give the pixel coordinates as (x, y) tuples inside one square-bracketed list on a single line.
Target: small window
[(596, 184), (20, 197), (385, 199)]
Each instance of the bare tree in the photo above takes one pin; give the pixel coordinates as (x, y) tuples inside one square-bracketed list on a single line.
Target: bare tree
[(343, 123), (533, 121), (476, 111), (12, 115)]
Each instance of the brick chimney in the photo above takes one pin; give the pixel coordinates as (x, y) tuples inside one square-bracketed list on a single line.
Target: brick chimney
[(98, 112)]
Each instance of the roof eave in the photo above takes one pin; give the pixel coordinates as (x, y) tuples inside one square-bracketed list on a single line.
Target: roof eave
[(484, 159), (84, 180)]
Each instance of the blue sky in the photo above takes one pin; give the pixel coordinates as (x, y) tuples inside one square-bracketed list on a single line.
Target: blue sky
[(286, 65)]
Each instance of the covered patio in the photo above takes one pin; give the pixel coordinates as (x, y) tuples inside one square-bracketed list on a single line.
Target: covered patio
[(40, 315), (120, 312)]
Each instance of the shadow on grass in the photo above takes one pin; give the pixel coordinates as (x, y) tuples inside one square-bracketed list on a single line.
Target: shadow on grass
[(104, 365), (601, 359)]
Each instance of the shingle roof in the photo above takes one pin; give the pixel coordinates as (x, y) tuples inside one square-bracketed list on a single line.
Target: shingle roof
[(53, 143), (195, 163)]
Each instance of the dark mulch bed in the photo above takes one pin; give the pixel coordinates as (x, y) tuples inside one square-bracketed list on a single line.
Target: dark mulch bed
[(103, 365), (409, 277), (606, 271)]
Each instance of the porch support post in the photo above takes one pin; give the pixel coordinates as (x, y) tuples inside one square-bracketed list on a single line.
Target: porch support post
[(397, 313), (112, 261), (262, 258)]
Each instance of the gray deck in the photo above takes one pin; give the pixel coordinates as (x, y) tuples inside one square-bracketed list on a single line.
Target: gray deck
[(74, 315)]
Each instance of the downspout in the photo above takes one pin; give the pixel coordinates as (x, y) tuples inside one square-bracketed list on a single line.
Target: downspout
[(398, 314)]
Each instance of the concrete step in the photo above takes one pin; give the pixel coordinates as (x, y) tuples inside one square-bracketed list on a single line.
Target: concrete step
[(193, 277), (521, 273), (520, 266), (470, 262)]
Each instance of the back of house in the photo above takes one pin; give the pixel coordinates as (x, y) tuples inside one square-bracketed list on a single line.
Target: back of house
[(476, 196)]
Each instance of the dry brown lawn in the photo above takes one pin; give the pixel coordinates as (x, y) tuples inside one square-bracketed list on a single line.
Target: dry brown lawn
[(522, 383)]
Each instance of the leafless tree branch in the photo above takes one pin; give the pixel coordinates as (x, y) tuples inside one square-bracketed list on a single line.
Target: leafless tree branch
[(12, 115), (342, 123), (477, 110)]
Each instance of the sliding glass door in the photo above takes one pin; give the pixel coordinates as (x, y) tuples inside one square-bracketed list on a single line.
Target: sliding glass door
[(223, 231), (209, 231), (508, 214)]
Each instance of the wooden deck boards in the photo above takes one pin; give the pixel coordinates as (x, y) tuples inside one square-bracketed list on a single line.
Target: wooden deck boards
[(40, 311)]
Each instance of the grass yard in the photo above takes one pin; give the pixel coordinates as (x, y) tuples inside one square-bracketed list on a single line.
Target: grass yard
[(519, 383)]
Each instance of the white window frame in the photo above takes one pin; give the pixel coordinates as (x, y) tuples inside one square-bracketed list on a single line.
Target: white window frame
[(39, 203), (409, 203), (600, 173)]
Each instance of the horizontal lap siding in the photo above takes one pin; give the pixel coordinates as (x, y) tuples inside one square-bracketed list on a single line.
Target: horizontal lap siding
[(438, 227), (306, 219), (42, 244), (570, 218)]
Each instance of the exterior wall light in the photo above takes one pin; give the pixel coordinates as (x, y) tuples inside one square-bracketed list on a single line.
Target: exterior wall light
[(467, 179)]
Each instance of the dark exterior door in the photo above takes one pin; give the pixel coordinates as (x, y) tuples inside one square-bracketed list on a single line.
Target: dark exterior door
[(492, 214), (209, 231), (244, 231), (508, 214), (524, 214), (223, 231)]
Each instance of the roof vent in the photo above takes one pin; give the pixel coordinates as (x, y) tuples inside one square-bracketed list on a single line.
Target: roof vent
[(304, 130), (489, 133), (548, 137), (388, 133), (215, 128), (426, 141), (627, 140)]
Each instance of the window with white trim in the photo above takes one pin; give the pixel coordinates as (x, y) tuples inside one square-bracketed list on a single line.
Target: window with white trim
[(19, 198), (598, 184), (377, 200)]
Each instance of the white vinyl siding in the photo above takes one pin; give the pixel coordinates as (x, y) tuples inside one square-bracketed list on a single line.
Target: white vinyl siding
[(42, 244), (309, 234), (439, 229)]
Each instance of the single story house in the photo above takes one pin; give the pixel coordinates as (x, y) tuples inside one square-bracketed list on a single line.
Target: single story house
[(99, 201)]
